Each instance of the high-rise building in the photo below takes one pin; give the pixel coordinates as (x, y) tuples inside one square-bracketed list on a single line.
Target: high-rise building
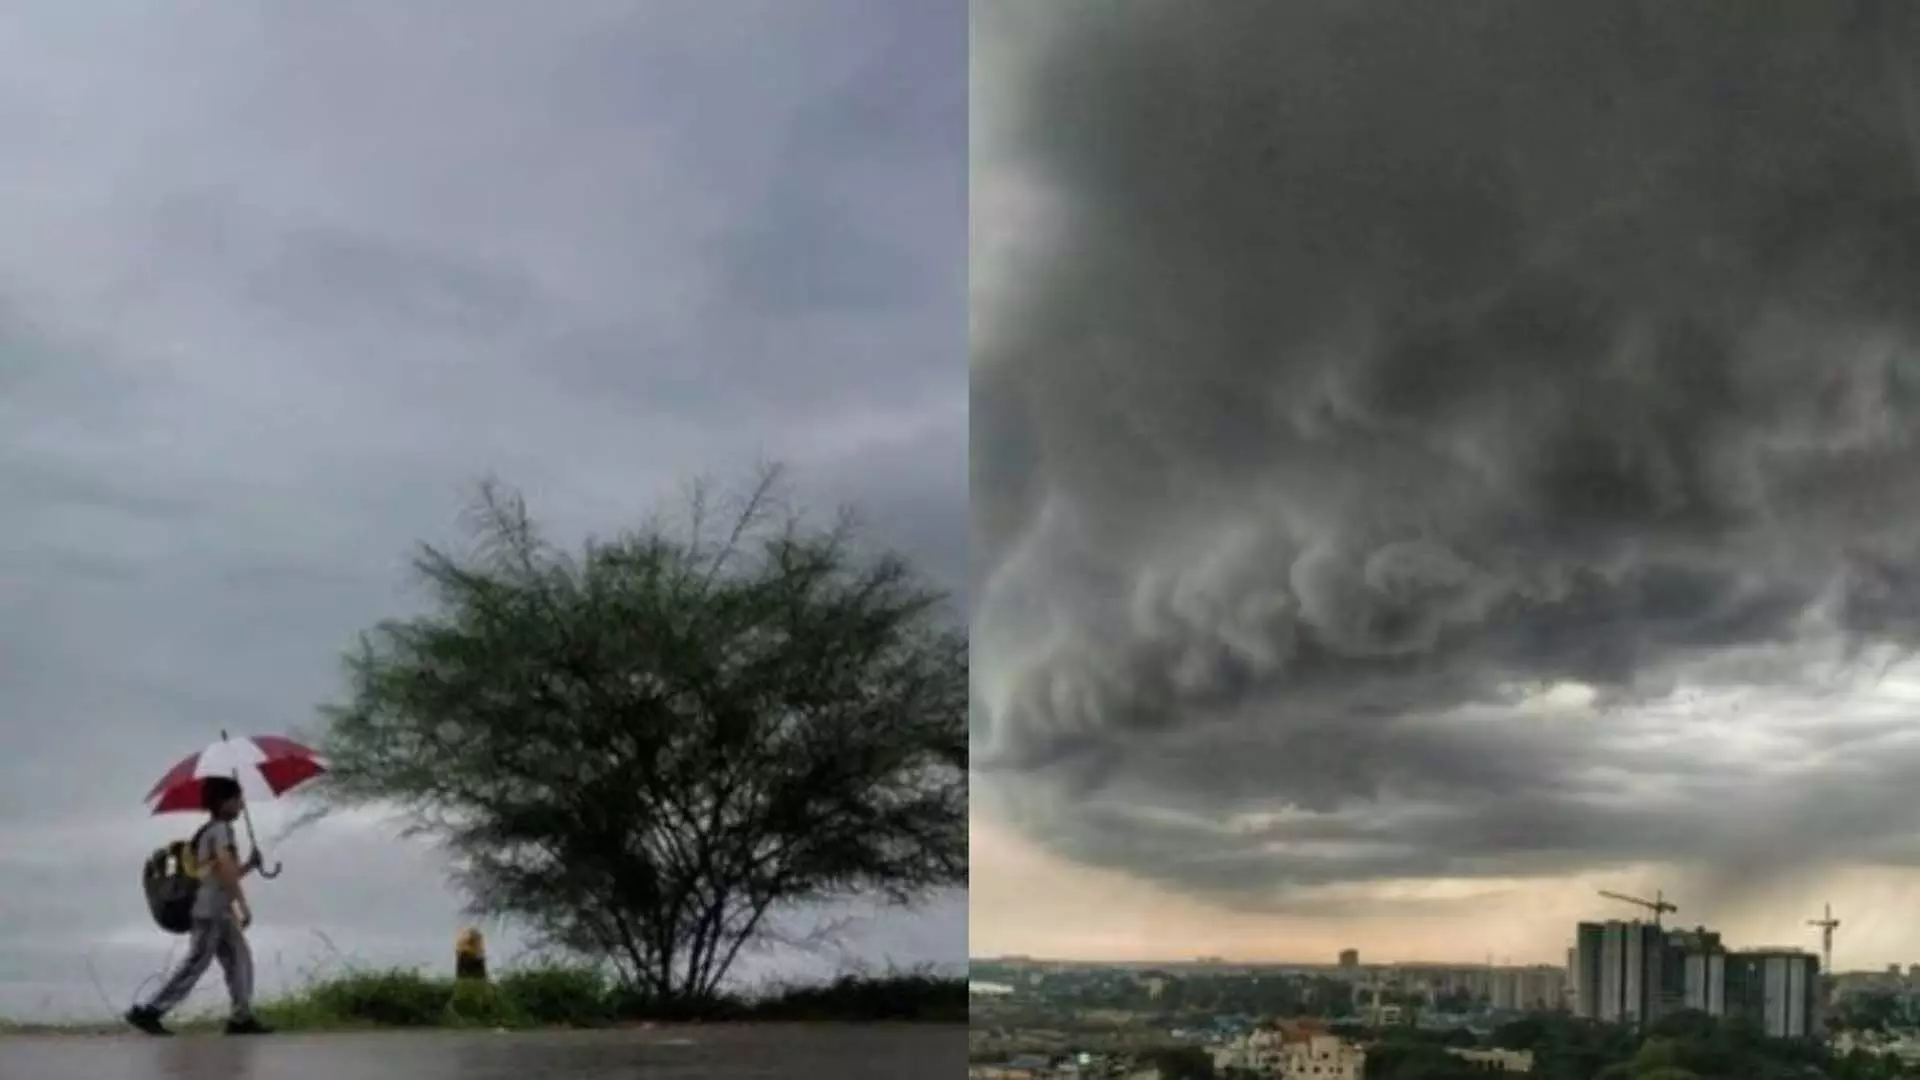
[(1504, 991), (1634, 973), (1349, 959), (1670, 991), (1544, 988), (1700, 961), (1706, 981), (1777, 989), (1583, 968), (1621, 972), (1527, 989)]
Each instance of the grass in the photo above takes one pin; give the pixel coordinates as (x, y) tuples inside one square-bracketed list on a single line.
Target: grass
[(565, 996)]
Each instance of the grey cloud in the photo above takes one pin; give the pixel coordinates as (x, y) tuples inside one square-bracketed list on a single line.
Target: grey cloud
[(819, 245), (282, 284), (1389, 360), (354, 276), (835, 250)]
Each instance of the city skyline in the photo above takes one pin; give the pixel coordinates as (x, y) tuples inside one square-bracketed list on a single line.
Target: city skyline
[(1355, 956), (1100, 914)]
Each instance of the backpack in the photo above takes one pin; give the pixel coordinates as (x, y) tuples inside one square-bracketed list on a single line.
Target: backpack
[(171, 880)]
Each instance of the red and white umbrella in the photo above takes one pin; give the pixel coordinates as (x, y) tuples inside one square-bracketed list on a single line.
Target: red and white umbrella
[(279, 762)]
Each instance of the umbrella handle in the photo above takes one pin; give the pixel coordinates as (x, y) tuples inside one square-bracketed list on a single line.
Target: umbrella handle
[(253, 841)]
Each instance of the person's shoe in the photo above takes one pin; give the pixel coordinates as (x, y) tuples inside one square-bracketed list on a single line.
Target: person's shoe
[(248, 1026), (147, 1019)]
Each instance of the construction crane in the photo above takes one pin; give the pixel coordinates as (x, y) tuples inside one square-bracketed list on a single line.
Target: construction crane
[(1657, 905), (1827, 924)]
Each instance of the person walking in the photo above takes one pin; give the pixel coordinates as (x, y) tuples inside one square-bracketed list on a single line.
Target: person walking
[(220, 920)]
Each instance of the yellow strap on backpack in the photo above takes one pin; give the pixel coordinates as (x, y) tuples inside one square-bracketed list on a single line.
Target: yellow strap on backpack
[(184, 853)]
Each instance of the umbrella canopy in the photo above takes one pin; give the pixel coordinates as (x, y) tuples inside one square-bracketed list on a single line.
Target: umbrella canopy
[(280, 763)]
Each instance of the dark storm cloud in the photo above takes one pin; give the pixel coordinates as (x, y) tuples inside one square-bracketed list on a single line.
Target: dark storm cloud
[(281, 283), (1387, 363)]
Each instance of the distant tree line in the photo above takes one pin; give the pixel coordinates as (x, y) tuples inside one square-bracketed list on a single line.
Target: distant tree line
[(1197, 995), (1685, 1046)]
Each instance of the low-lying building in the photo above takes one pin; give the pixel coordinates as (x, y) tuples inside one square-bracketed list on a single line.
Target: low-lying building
[(1496, 1061), (1322, 1057), (1295, 1050)]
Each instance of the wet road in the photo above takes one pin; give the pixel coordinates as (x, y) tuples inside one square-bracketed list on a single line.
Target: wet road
[(715, 1053)]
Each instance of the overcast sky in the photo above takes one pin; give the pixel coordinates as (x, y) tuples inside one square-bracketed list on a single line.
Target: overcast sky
[(280, 281), (1431, 461)]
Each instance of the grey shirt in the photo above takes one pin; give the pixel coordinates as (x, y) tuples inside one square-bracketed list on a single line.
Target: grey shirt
[(212, 901)]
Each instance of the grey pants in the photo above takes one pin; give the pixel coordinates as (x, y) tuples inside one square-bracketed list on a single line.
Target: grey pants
[(210, 940)]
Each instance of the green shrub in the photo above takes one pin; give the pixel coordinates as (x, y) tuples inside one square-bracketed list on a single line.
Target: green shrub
[(558, 995), (396, 998), (922, 997), (478, 1003), (625, 1002)]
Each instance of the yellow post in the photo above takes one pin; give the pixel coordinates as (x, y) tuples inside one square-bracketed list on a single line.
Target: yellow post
[(470, 954)]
